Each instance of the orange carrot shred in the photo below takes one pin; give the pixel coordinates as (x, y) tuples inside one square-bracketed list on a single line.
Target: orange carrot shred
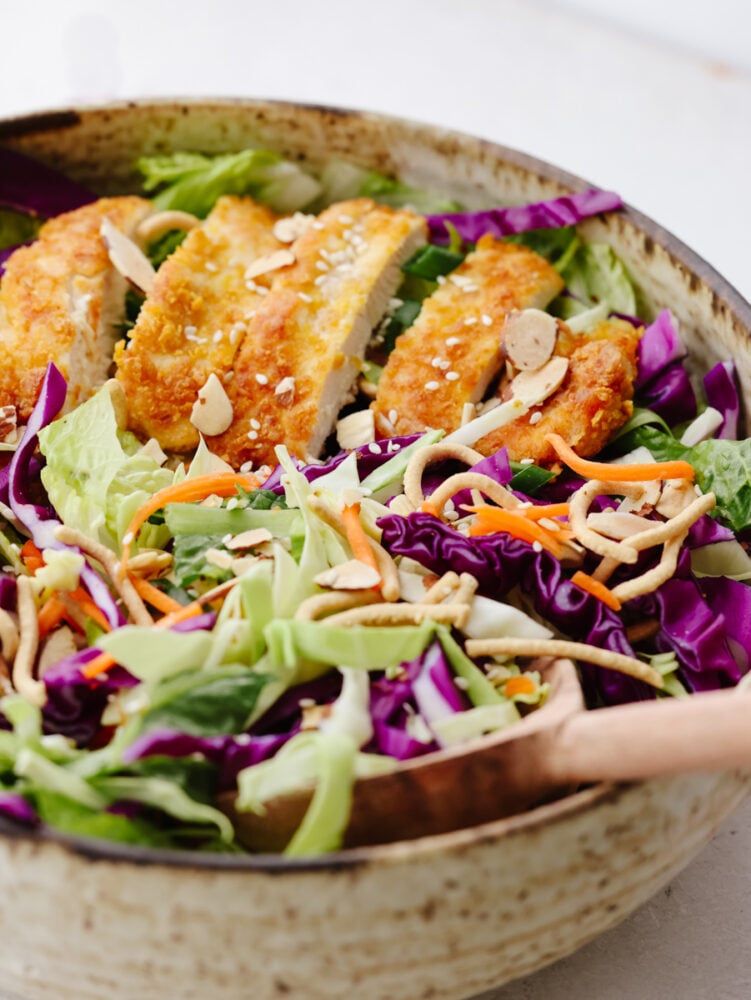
[(223, 484), (358, 540), (32, 556), (51, 613), (596, 589), (490, 520), (634, 473), (154, 596), (537, 511), (519, 685)]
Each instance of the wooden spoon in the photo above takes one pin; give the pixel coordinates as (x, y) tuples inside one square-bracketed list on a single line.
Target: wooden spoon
[(549, 752)]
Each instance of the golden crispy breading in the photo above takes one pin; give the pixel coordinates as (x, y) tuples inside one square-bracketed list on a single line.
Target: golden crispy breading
[(594, 400), (194, 320), (451, 353), (299, 360), (60, 301)]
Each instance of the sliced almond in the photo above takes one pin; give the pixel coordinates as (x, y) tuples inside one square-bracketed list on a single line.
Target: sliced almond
[(127, 257), (152, 449), (292, 227), (249, 539), (219, 558), (617, 524), (356, 429), (212, 411), (528, 338), (149, 563), (676, 495), (533, 387), (352, 575), (270, 262), (8, 424), (164, 222), (285, 391)]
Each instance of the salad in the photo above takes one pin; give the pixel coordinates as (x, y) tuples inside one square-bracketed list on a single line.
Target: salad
[(252, 562)]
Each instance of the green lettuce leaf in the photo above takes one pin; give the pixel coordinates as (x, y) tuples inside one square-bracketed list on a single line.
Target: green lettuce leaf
[(723, 467), (193, 181), (595, 274), (95, 476), (214, 703), (15, 228)]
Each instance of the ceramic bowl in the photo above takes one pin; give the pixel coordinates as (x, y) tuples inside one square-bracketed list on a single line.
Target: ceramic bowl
[(441, 917)]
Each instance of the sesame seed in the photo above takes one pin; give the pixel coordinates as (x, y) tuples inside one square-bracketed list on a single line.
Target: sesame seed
[(316, 225), (211, 266), (246, 466), (305, 297), (453, 341), (233, 335), (252, 435), (306, 702), (346, 220), (262, 379), (441, 279), (537, 547), (393, 446), (469, 287), (432, 386), (321, 265), (374, 449), (470, 320), (487, 320), (320, 279), (535, 418), (436, 362), (393, 416), (527, 461), (462, 683), (190, 331), (255, 424), (451, 515), (452, 376), (219, 335)]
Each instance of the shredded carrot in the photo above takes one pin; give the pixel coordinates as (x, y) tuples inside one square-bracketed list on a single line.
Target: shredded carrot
[(32, 556), (222, 484), (537, 511), (596, 589), (490, 520), (637, 472), (426, 507), (358, 540), (89, 608), (51, 613), (154, 596), (98, 665), (519, 685)]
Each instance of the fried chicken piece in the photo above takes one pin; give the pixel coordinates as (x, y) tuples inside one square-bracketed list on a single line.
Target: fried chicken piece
[(195, 319), (452, 352), (61, 300), (302, 353), (593, 402)]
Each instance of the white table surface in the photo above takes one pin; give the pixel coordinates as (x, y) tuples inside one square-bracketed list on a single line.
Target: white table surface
[(652, 100)]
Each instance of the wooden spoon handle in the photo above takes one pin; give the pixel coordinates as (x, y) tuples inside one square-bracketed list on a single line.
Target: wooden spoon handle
[(705, 732)]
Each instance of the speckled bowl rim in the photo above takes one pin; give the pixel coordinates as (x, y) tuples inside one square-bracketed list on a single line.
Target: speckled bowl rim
[(700, 272)]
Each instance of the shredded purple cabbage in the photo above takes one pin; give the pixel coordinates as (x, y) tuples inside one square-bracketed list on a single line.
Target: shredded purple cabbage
[(75, 703), (16, 808), (722, 393), (689, 625), (30, 187), (670, 395), (660, 345), (7, 592), (500, 222), (41, 521)]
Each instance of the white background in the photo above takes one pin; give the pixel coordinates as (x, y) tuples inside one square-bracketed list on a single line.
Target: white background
[(650, 99)]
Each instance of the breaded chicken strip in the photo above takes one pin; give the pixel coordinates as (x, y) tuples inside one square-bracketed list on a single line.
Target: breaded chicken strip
[(302, 353), (194, 320), (452, 352), (592, 403), (61, 301)]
